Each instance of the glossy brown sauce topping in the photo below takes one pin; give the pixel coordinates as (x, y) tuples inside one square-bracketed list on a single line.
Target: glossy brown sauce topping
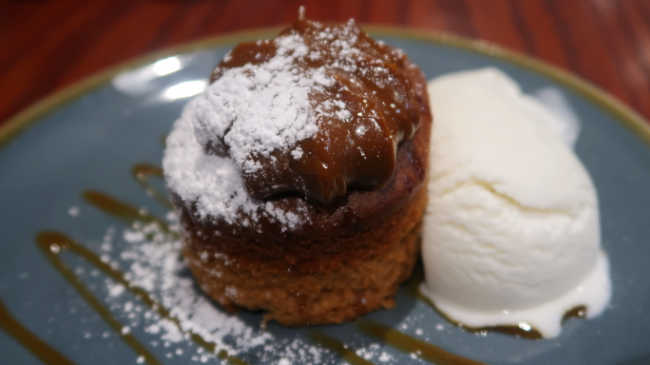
[(379, 102)]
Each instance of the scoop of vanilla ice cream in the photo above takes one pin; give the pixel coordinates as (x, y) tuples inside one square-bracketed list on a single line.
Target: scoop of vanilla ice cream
[(511, 235)]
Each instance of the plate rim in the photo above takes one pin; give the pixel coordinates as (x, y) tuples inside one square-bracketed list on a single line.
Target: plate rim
[(620, 111)]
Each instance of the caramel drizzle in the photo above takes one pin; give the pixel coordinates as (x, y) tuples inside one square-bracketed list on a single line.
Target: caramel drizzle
[(141, 173), (425, 350), (119, 209), (52, 243), (29, 340), (338, 347)]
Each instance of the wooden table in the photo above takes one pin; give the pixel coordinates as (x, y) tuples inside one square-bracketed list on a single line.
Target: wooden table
[(47, 45)]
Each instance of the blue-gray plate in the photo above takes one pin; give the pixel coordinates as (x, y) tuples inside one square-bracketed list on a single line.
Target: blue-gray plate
[(89, 136)]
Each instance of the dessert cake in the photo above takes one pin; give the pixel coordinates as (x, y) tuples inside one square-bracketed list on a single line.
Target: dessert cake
[(299, 174)]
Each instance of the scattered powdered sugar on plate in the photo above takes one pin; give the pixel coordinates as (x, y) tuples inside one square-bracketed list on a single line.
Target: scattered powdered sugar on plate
[(374, 352), (150, 259), (73, 211)]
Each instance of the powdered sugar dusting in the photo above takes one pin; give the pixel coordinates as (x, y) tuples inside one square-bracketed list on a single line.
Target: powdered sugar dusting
[(214, 183), (257, 109), (247, 127)]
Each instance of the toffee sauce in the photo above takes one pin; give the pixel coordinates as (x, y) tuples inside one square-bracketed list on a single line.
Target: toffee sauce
[(424, 350), (53, 243), (29, 340), (339, 348), (384, 97), (119, 209), (141, 173)]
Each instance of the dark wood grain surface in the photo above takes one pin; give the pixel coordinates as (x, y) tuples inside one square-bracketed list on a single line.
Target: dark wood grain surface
[(47, 45)]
